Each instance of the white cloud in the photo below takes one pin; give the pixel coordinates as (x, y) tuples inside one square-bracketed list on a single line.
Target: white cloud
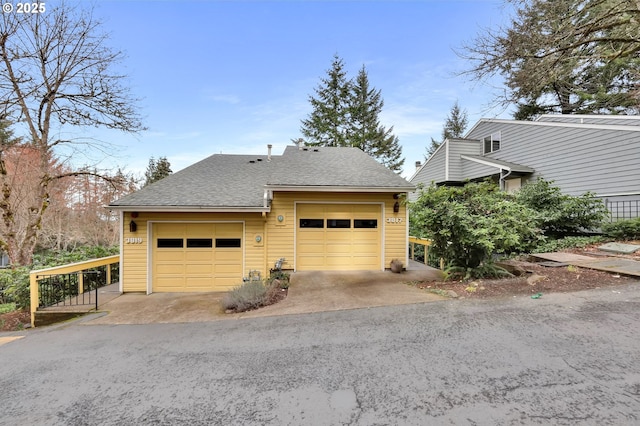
[(228, 99)]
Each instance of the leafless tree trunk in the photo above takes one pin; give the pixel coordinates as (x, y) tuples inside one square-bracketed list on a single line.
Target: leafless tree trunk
[(56, 72)]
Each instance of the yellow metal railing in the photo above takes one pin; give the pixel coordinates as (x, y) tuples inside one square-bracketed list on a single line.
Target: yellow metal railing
[(426, 243), (73, 268)]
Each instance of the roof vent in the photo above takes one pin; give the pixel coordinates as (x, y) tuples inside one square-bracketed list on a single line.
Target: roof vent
[(316, 150), (259, 159), (252, 161), (269, 152), (305, 149)]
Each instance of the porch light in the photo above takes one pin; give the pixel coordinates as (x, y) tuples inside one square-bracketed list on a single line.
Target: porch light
[(133, 227), (396, 207)]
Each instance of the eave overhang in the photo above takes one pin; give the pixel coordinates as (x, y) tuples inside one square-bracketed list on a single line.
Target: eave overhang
[(191, 209), (323, 188), (502, 165)]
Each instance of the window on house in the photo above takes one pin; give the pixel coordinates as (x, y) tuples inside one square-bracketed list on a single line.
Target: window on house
[(199, 243), (338, 223), (491, 143), (365, 223), (170, 242), (311, 223), (228, 243)]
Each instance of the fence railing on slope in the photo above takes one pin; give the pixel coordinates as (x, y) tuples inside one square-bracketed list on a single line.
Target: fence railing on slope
[(73, 284), (620, 210)]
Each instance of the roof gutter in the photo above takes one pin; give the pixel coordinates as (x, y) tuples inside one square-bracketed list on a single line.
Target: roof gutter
[(191, 209), (319, 188)]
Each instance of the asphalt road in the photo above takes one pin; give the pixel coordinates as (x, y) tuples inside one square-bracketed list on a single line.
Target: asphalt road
[(562, 359)]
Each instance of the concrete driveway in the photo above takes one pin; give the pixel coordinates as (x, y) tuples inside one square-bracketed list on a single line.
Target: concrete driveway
[(308, 292)]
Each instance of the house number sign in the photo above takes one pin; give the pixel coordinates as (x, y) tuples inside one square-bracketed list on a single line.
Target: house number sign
[(133, 240), (394, 220)]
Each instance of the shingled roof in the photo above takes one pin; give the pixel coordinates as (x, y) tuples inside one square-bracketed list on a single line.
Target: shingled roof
[(224, 182)]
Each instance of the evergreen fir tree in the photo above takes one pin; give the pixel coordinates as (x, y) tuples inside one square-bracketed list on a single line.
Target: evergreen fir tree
[(364, 128), (327, 123), (454, 127), (346, 113), (156, 170)]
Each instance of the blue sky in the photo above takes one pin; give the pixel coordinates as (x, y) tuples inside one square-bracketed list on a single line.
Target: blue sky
[(232, 77)]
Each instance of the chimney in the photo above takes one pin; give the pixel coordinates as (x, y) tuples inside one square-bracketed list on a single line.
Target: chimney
[(418, 164), (269, 152)]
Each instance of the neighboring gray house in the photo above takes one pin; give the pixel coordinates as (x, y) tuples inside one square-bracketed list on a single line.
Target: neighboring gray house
[(579, 153)]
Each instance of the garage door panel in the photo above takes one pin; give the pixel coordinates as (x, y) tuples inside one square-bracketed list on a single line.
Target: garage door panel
[(193, 269), (227, 255), (335, 247), (198, 256), (164, 255), (198, 265), (170, 268)]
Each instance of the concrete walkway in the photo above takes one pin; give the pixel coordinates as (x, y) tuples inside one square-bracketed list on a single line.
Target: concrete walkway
[(308, 292), (608, 264)]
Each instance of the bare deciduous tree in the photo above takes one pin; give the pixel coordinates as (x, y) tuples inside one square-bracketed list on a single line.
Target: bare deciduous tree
[(56, 72)]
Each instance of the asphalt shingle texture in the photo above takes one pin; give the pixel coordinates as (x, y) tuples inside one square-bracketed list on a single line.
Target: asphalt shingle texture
[(228, 181)]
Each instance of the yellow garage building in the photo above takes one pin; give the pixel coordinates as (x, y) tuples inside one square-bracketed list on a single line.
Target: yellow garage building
[(228, 217)]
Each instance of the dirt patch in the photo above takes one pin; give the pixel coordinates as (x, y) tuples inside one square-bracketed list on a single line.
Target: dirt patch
[(15, 320), (538, 279), (535, 280)]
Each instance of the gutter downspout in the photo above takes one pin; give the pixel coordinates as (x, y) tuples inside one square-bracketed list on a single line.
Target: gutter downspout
[(503, 178)]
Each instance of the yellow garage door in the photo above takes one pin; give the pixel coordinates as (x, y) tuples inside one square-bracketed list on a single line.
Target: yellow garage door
[(196, 256), (338, 237)]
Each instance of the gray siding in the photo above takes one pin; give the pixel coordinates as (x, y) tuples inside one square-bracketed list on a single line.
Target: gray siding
[(458, 147), (607, 120), (578, 158), (473, 170), (432, 171)]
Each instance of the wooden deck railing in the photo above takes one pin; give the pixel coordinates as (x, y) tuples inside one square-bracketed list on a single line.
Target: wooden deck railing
[(426, 243), (77, 272)]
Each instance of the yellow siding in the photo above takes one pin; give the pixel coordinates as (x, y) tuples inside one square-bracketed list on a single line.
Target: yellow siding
[(277, 237), (281, 237)]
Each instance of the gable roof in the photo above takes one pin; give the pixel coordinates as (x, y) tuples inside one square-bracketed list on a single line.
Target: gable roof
[(224, 182)]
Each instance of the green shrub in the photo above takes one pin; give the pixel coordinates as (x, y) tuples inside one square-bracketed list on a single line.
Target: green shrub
[(7, 307), (486, 270), (50, 258), (247, 296), (14, 287), (468, 224), (628, 229), (558, 213), (281, 278)]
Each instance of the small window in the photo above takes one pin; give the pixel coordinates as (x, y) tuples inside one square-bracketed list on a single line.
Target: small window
[(365, 223), (338, 223), (311, 223), (199, 243), (491, 143), (228, 242), (170, 243)]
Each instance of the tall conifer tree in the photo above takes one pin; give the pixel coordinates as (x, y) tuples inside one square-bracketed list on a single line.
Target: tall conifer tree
[(327, 123), (346, 113), (365, 130)]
